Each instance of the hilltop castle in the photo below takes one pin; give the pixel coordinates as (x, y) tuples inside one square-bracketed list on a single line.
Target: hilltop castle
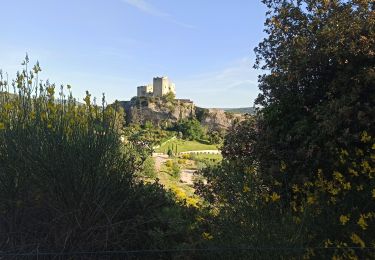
[(160, 87)]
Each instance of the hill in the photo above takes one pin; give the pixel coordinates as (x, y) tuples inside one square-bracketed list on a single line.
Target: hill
[(240, 110), (164, 112)]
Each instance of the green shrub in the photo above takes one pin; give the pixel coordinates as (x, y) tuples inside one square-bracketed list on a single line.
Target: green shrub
[(67, 181), (148, 169), (181, 161), (176, 170), (169, 163)]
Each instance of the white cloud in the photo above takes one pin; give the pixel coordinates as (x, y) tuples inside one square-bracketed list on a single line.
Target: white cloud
[(146, 7), (233, 86)]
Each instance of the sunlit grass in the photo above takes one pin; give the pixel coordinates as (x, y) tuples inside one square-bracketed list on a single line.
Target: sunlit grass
[(184, 146)]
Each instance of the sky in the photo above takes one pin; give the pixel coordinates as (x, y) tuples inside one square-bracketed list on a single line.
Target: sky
[(112, 46)]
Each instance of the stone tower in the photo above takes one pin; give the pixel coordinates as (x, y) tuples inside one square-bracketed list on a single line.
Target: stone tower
[(163, 86)]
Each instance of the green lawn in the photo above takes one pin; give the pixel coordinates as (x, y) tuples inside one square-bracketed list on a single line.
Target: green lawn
[(217, 157), (183, 146)]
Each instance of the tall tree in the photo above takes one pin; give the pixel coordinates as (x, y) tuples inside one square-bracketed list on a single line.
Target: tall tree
[(319, 92)]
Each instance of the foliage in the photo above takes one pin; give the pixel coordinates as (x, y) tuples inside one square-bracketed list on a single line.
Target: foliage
[(176, 170), (215, 137), (67, 181), (301, 175), (191, 129), (318, 103), (148, 134), (173, 168), (170, 152), (148, 168), (169, 97)]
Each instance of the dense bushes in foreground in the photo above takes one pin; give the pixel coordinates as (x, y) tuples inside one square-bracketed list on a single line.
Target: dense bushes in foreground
[(297, 181), (300, 179), (67, 181)]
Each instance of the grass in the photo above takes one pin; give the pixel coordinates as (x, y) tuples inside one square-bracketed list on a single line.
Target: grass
[(184, 146), (217, 157)]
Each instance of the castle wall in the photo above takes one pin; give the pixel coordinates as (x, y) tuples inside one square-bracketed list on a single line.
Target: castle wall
[(160, 87), (163, 86), (145, 91)]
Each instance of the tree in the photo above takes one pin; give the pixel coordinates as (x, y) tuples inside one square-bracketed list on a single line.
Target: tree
[(169, 97), (191, 129), (148, 168), (308, 159), (319, 93), (170, 152), (318, 116)]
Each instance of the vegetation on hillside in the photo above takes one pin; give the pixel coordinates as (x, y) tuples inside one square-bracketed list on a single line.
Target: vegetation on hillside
[(241, 110)]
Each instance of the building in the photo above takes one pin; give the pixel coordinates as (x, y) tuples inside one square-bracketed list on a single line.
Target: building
[(163, 86), (145, 91), (160, 87)]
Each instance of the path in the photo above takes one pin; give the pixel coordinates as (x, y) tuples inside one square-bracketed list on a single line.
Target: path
[(159, 160), (185, 175)]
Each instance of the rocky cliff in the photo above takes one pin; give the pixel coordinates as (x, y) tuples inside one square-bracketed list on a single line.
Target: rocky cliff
[(216, 119), (163, 112)]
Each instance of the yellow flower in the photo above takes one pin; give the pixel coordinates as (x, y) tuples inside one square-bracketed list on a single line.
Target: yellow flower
[(246, 188), (357, 240), (344, 152), (2, 126), (365, 137), (310, 200), (353, 172), (359, 152), (362, 222), (344, 219), (8, 106), (373, 193), (338, 176), (207, 236), (295, 188), (199, 219), (294, 206), (275, 197), (373, 146), (282, 166), (328, 243), (347, 186)]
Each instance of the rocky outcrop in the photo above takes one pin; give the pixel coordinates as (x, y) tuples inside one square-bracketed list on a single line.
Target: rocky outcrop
[(157, 110), (164, 112), (217, 119)]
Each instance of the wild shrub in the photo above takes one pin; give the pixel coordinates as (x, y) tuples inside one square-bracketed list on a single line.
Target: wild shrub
[(67, 181), (148, 168)]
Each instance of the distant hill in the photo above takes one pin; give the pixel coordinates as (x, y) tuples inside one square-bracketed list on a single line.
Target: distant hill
[(240, 110)]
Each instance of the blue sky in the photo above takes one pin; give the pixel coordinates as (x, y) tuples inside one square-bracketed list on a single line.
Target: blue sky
[(112, 46)]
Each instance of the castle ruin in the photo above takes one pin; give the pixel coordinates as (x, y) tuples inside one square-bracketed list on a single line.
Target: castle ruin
[(160, 87)]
